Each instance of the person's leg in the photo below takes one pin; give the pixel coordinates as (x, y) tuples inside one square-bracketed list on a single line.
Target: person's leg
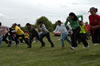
[(37, 38), (16, 39), (5, 38), (0, 40), (75, 37), (10, 40), (49, 39), (94, 37), (23, 37), (69, 41), (30, 41), (41, 40), (84, 40), (62, 39), (88, 37), (79, 40), (21, 40), (98, 36)]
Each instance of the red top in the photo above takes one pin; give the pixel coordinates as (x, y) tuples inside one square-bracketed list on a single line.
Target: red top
[(94, 20)]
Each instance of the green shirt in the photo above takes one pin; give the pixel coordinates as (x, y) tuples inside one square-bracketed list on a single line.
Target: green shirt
[(74, 24)]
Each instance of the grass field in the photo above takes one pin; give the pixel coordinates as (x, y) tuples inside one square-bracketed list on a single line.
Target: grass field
[(47, 56)]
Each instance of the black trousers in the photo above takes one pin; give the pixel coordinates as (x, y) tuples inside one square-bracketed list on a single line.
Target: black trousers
[(21, 40), (96, 36), (47, 35), (23, 37), (83, 38), (31, 36), (75, 36), (11, 38), (5, 38)]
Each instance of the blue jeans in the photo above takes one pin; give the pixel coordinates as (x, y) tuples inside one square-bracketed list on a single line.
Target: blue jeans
[(1, 40), (64, 36)]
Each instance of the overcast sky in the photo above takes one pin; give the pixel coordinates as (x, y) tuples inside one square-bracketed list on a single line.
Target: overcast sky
[(23, 11)]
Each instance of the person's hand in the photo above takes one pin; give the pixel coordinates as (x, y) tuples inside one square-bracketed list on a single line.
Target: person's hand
[(91, 27), (96, 27)]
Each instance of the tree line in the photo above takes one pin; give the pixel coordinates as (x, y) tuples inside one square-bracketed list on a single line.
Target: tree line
[(47, 23)]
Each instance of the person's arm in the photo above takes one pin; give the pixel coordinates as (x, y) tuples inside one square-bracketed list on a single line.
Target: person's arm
[(97, 26), (7, 29), (81, 17), (56, 29), (70, 28), (13, 31), (44, 28), (16, 28), (67, 21), (90, 21), (86, 29), (39, 30)]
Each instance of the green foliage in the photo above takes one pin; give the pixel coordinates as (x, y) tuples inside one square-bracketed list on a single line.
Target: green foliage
[(24, 28), (47, 23), (54, 25)]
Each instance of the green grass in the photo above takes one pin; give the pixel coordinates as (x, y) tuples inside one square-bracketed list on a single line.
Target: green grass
[(47, 56)]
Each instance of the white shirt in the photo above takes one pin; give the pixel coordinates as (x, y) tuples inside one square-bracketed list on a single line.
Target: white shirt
[(44, 29), (62, 28), (57, 29), (3, 30)]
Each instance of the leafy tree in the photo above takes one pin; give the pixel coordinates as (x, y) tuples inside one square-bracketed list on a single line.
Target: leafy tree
[(47, 23), (54, 25)]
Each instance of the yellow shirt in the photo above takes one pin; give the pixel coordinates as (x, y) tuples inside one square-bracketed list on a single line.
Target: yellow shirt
[(26, 35), (18, 30), (20, 38), (83, 30)]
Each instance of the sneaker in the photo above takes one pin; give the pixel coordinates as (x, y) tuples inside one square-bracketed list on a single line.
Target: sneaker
[(96, 44), (52, 46), (29, 47), (86, 47), (73, 48), (59, 39)]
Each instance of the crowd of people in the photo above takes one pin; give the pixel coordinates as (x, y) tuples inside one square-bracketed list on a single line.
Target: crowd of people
[(78, 31)]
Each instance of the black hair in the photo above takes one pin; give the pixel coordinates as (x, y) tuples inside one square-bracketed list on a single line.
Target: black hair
[(59, 21), (75, 17), (28, 24), (80, 21), (0, 23), (96, 10), (93, 8), (14, 24), (41, 22), (18, 25)]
